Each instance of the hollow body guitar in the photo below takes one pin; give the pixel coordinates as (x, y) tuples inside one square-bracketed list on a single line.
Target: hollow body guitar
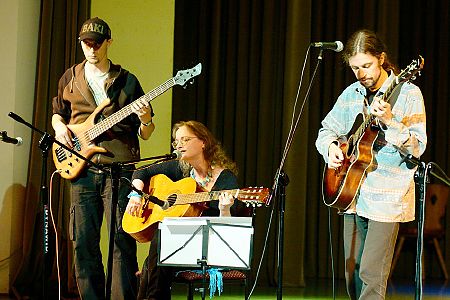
[(340, 186), (184, 202), (84, 134)]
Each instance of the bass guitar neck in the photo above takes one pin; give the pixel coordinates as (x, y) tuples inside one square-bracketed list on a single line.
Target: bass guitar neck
[(85, 134)]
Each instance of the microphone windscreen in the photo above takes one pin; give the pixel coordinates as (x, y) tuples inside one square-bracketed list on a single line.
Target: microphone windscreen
[(177, 153), (339, 46)]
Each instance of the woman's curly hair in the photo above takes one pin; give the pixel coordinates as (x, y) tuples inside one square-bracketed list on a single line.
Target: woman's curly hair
[(214, 153)]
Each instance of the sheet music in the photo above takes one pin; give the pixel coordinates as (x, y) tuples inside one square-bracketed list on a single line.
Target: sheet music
[(229, 244)]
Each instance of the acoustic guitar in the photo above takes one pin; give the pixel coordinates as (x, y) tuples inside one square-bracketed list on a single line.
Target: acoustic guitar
[(84, 134), (184, 202), (340, 186)]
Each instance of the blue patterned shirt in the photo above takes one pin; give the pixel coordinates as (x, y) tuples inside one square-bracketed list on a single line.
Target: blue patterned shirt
[(387, 191)]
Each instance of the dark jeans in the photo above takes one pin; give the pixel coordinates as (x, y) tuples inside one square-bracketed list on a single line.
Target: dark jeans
[(91, 197), (368, 248)]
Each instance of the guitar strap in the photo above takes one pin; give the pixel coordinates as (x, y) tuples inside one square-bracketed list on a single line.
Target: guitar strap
[(368, 99), (395, 93), (392, 99)]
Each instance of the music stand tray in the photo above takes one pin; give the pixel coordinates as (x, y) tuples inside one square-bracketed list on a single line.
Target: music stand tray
[(223, 242)]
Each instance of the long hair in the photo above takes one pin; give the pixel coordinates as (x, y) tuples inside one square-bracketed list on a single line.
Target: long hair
[(366, 41), (213, 152)]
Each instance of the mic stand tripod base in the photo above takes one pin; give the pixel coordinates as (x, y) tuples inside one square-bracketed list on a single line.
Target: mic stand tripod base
[(45, 144)]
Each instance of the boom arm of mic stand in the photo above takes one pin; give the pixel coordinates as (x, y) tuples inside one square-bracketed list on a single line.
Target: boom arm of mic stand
[(160, 158), (49, 139)]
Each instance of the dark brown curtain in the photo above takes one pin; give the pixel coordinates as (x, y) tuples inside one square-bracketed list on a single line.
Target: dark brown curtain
[(252, 53), (239, 94), (57, 50)]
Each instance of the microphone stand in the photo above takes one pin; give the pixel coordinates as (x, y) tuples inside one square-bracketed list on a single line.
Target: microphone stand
[(281, 180), (115, 173), (421, 179), (45, 144)]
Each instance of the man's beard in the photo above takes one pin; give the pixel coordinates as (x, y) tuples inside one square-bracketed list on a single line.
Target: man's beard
[(370, 83)]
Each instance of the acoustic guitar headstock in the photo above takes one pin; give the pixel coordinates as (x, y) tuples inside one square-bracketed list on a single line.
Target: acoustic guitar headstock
[(254, 196)]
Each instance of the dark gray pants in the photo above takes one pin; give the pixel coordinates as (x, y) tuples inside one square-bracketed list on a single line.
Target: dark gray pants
[(368, 248), (91, 197)]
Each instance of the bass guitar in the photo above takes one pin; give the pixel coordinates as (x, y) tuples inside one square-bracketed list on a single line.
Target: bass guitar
[(340, 186), (184, 202), (84, 134)]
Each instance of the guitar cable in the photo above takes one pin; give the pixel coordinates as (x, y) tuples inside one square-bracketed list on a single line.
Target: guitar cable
[(56, 231), (269, 225), (56, 236)]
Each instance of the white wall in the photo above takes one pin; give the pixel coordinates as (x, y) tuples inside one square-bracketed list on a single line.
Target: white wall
[(19, 24)]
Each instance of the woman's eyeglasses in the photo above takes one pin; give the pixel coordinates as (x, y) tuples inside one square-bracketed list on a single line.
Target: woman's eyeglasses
[(182, 141)]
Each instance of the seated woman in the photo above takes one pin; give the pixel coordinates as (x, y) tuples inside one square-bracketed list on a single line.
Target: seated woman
[(204, 160)]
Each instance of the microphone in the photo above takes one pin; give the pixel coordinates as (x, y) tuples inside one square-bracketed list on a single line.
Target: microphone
[(336, 46), (9, 140), (163, 204), (175, 154)]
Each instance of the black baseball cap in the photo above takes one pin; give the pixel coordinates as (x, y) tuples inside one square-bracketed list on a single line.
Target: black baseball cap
[(95, 29)]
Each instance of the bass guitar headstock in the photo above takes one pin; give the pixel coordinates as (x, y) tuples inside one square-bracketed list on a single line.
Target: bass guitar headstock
[(184, 76)]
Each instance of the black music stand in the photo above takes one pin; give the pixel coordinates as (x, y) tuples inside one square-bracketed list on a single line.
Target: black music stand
[(205, 242)]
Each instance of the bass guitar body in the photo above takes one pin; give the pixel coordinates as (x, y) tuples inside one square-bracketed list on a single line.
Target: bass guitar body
[(341, 185), (69, 164), (144, 226)]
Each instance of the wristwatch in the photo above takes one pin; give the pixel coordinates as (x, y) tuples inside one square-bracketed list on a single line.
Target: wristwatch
[(148, 123)]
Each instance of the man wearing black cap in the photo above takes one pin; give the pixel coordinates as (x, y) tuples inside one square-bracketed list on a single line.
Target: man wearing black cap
[(84, 87)]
